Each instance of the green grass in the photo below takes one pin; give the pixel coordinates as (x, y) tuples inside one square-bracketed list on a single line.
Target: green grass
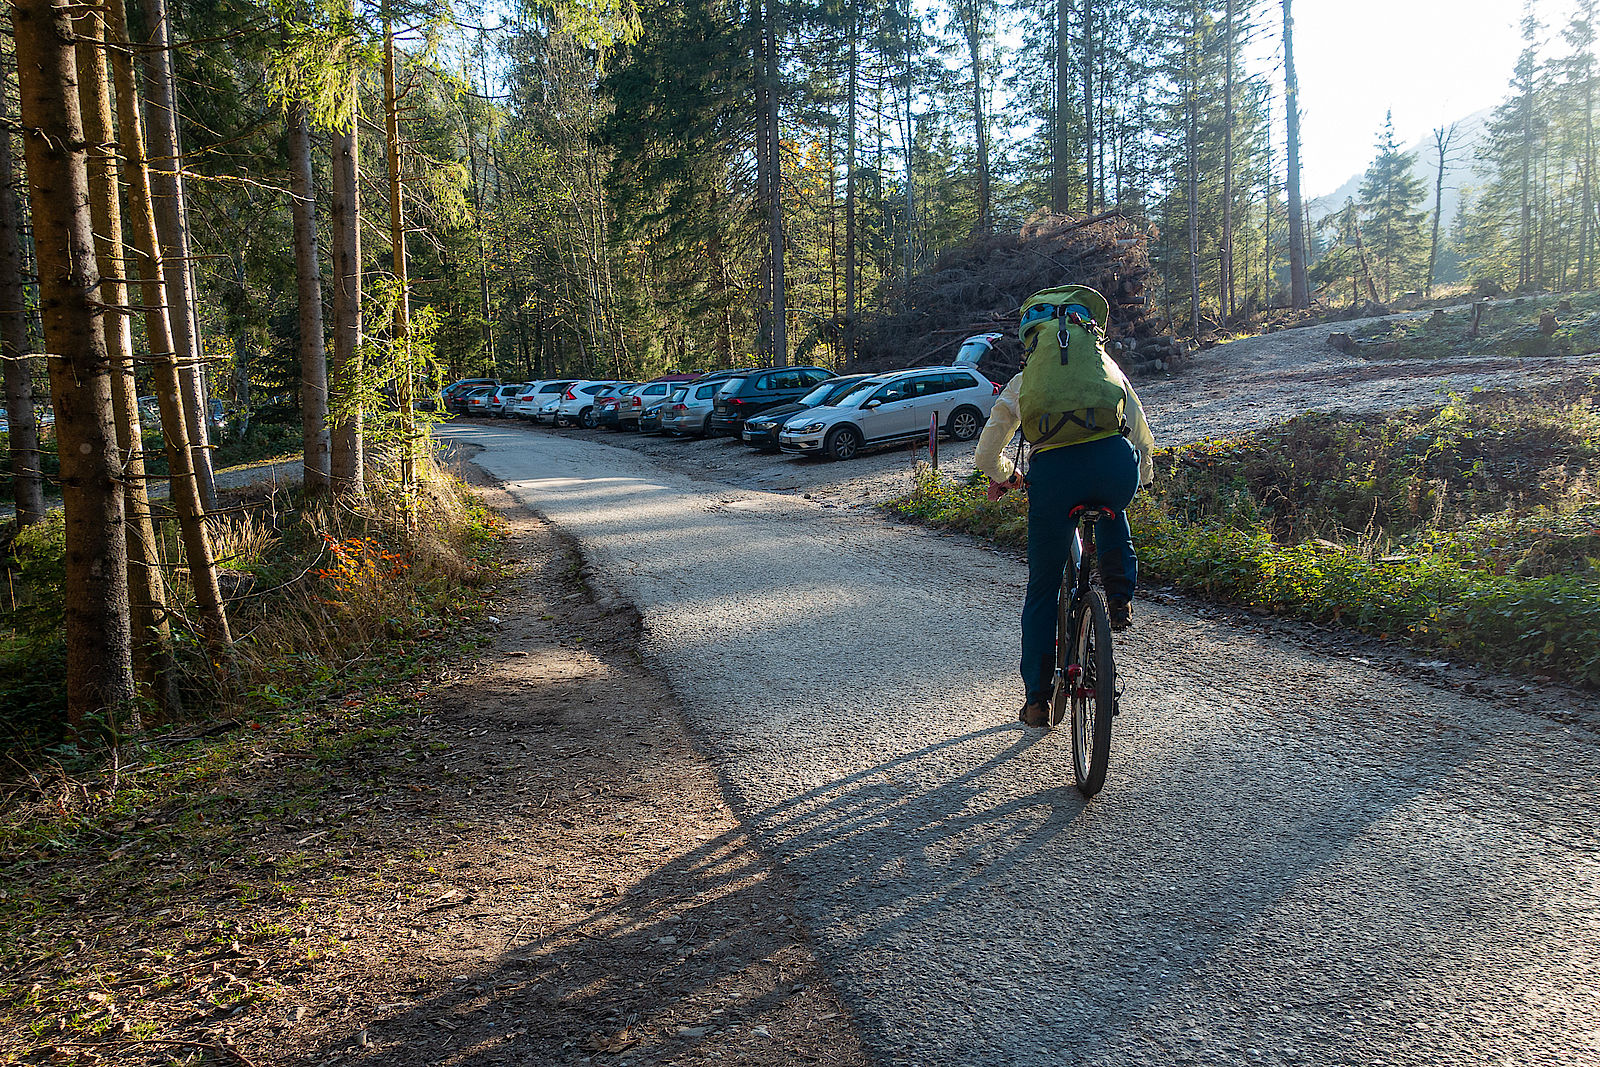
[(1473, 528), (1513, 330)]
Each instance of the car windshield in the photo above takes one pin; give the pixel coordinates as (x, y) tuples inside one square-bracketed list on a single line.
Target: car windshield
[(730, 387), (826, 392), (855, 390), (679, 393)]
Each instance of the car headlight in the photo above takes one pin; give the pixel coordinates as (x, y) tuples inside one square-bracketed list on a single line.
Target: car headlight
[(810, 427)]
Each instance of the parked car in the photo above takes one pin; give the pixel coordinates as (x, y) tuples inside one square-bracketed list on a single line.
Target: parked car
[(642, 396), (521, 406), (688, 409), (761, 431), (542, 394), (897, 407), (499, 397), (476, 401), (577, 405), (650, 417), (608, 407), (454, 394), (752, 394)]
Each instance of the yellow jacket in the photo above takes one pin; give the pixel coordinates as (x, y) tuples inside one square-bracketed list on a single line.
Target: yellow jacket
[(1007, 415)]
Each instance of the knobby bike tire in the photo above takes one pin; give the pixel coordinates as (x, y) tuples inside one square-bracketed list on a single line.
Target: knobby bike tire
[(1092, 711)]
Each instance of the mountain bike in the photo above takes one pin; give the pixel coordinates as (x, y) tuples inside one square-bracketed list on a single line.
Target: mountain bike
[(1086, 672)]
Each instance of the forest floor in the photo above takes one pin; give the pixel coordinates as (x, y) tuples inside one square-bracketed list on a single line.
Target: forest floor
[(538, 868)]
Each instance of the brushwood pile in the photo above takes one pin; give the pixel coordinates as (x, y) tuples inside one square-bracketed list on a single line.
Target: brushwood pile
[(980, 286)]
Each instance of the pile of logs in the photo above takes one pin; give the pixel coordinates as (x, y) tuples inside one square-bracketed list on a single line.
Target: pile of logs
[(979, 287)]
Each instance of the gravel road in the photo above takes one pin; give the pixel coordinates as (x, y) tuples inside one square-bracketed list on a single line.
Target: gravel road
[(1300, 856)]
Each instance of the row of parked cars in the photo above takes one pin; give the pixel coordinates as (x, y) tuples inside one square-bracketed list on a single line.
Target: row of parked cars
[(799, 410)]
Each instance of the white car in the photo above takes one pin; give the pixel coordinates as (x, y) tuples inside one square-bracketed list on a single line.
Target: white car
[(576, 405), (498, 402), (533, 402), (520, 405), (894, 407)]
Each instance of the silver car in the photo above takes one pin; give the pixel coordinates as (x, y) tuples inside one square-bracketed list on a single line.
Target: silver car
[(896, 407), (689, 408)]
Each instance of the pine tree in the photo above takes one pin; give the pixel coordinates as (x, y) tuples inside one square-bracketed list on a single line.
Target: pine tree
[(1393, 229)]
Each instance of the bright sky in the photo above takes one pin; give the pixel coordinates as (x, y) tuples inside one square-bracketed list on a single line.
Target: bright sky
[(1431, 61)]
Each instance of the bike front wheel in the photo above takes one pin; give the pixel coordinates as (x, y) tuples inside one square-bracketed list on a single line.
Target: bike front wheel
[(1090, 682)]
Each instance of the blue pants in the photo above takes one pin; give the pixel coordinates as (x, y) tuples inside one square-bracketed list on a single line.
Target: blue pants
[(1104, 472)]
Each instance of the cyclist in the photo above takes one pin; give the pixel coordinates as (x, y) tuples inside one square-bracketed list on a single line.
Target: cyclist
[(1090, 445)]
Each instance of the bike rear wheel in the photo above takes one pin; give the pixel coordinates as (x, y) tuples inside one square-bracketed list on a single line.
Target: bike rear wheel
[(1090, 681)]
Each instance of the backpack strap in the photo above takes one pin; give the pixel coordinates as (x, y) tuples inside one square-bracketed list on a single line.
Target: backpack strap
[(1091, 424)]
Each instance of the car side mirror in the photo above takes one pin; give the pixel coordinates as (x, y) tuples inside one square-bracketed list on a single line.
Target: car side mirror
[(869, 405)]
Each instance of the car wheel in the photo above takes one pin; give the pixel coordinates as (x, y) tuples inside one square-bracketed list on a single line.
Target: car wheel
[(843, 443), (586, 418), (705, 427), (964, 424)]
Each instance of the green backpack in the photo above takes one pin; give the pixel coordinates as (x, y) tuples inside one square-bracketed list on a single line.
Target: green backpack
[(1071, 391)]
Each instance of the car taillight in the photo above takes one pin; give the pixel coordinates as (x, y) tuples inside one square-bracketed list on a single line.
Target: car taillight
[(998, 388), (736, 400), (570, 395)]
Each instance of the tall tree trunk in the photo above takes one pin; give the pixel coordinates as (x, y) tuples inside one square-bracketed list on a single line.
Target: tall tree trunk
[(1060, 162), (98, 632), (26, 480), (182, 478), (1090, 172), (910, 142), (347, 462), (1226, 288), (1299, 290), (172, 220), (401, 326), (764, 195), (1441, 143), (1192, 150), (850, 201), (1525, 194), (147, 600), (1586, 10), (984, 226), (308, 288), (780, 311)]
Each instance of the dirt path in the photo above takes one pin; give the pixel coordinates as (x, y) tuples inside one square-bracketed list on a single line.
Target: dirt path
[(539, 869), (593, 893), (1260, 380)]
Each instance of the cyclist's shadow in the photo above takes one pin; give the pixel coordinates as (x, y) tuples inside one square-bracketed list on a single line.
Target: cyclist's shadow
[(891, 850)]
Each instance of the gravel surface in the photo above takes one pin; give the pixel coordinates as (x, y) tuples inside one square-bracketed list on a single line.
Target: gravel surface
[(1300, 857)]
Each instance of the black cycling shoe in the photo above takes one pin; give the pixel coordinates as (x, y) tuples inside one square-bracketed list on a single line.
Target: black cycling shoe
[(1121, 612)]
